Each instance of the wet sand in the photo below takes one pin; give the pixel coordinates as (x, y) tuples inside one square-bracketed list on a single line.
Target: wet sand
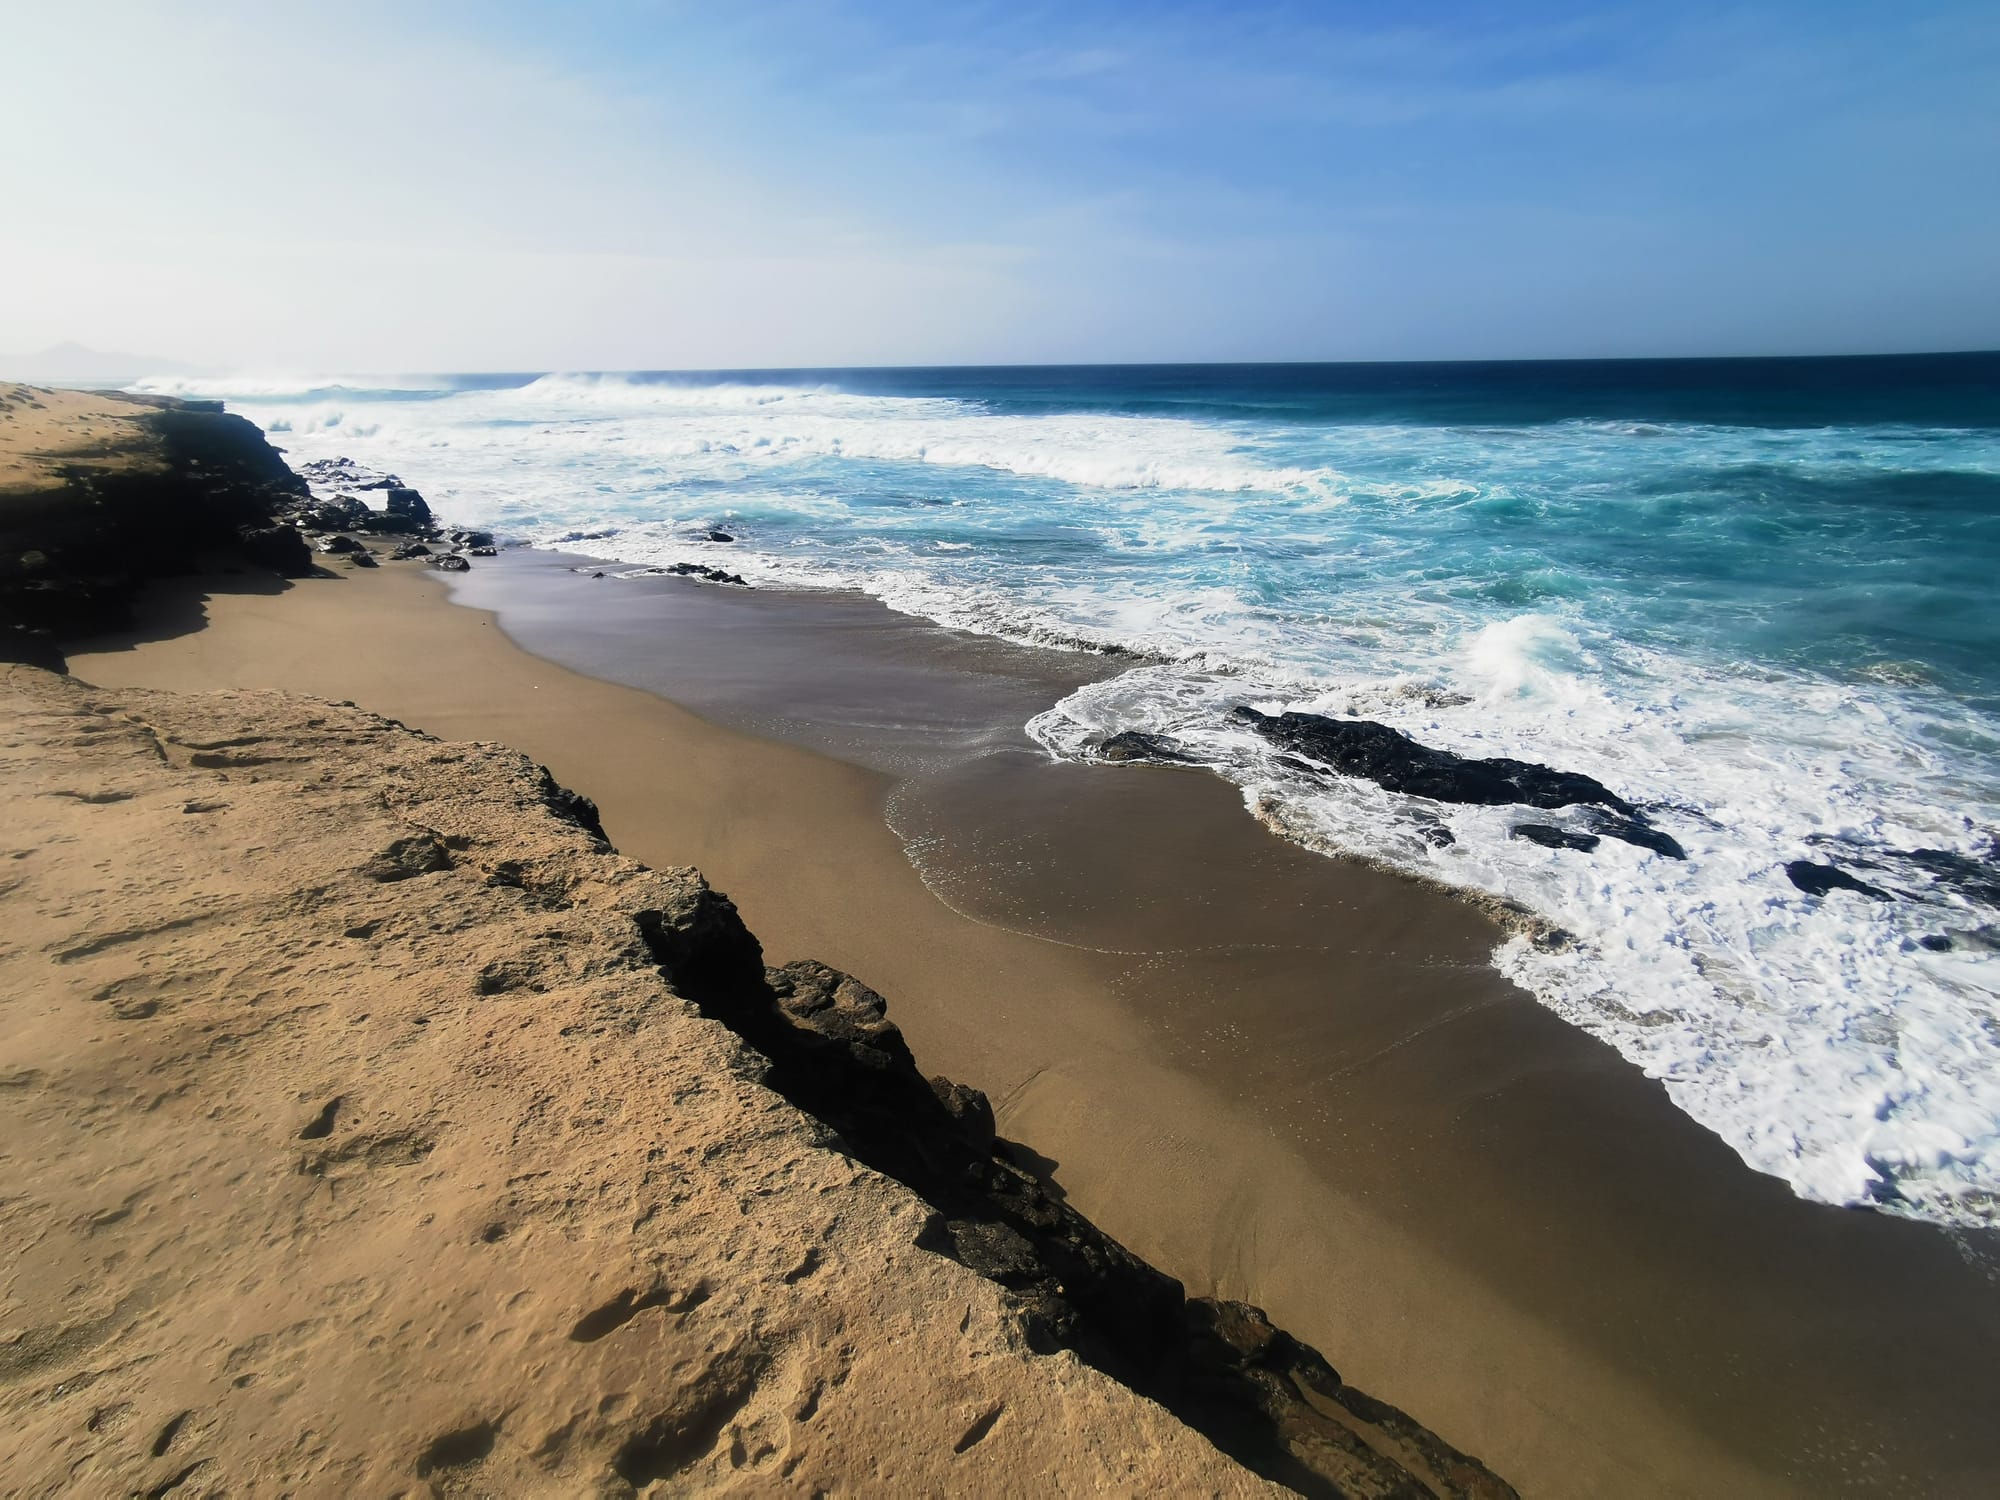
[(1277, 1076)]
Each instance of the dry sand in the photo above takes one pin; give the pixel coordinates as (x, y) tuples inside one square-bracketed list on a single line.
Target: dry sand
[(333, 1169)]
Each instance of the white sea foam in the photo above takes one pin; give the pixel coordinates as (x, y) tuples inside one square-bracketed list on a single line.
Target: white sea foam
[(1817, 1035)]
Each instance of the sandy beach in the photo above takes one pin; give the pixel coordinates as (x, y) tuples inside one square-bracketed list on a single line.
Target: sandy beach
[(1276, 1076)]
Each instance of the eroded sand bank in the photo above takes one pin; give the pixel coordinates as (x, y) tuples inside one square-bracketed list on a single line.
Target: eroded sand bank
[(355, 1139)]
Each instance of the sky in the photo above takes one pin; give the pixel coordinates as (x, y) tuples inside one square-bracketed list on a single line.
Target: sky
[(491, 186)]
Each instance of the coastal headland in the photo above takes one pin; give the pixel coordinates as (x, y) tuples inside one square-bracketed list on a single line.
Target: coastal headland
[(372, 1123), (1284, 1080)]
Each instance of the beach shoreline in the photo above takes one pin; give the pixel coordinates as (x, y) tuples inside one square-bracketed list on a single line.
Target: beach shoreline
[(1474, 1209)]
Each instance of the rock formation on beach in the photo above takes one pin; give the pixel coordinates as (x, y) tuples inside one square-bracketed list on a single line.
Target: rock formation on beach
[(100, 493), (371, 1124), (1394, 761)]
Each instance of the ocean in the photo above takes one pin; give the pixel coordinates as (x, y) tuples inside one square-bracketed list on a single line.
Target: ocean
[(1755, 598)]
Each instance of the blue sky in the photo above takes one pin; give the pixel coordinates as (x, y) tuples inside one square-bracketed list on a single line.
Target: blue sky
[(629, 185)]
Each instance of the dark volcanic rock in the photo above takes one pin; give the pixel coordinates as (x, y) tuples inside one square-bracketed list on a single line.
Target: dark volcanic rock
[(403, 501), (719, 536), (971, 1109), (409, 550), (471, 538), (389, 523), (340, 544), (481, 552), (279, 548), (1635, 830), (697, 570), (573, 807), (1975, 877), (1137, 745), (1551, 837), (363, 559), (333, 515), (449, 563), (1258, 1394), (1391, 759), (1818, 879), (343, 473)]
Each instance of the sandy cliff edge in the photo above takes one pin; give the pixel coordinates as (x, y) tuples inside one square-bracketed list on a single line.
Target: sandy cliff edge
[(371, 1125)]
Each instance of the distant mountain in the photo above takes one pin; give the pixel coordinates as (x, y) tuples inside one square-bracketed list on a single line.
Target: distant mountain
[(72, 364)]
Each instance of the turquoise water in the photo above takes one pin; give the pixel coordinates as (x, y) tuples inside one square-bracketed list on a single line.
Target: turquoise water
[(1755, 596)]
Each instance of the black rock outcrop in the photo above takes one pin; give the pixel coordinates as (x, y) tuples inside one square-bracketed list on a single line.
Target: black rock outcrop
[(1397, 763), (697, 570), (1392, 760), (1267, 1400), (403, 501), (278, 548)]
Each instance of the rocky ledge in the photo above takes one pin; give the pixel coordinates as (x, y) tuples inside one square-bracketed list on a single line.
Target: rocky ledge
[(371, 1126), (101, 492)]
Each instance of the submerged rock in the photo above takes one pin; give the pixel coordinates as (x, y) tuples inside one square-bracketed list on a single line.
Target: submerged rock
[(1397, 763), (1137, 745), (1971, 876), (1817, 879), (1635, 830), (1392, 760), (1551, 837), (450, 563)]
